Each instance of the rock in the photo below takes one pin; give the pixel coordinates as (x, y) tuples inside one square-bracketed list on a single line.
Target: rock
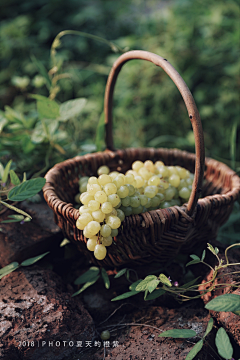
[(22, 241), (142, 342), (229, 275), (39, 318)]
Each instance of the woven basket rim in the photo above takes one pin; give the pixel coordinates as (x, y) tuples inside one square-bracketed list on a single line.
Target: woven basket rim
[(72, 213)]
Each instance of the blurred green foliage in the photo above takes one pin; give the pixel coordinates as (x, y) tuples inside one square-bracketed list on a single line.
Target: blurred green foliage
[(199, 38)]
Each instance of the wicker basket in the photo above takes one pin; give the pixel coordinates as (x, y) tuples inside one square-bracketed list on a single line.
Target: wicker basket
[(158, 234)]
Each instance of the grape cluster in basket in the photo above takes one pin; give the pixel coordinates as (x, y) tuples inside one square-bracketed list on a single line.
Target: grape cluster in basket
[(111, 196)]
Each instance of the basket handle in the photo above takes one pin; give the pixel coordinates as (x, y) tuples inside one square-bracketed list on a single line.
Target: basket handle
[(188, 100)]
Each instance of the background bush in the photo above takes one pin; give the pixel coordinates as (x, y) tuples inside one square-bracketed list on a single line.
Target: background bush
[(199, 38)]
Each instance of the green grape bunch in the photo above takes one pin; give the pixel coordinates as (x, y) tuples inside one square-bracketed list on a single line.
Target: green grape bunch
[(111, 196)]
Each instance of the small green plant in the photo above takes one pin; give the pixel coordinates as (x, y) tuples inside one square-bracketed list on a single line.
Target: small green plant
[(15, 265), (90, 277), (222, 341), (14, 190)]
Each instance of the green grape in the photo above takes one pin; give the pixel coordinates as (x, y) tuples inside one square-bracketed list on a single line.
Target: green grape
[(169, 193), (163, 170), (105, 335), (172, 170), (113, 221), (93, 180), (129, 178), (113, 212), (132, 172), (105, 230), (113, 174), (143, 199), (154, 180), (118, 205), (189, 181), (110, 189), (161, 197), (137, 210), (86, 198), (141, 190), (103, 170), (127, 210), (120, 214), (182, 184), (114, 232), (150, 191), (174, 180), (104, 179), (150, 166), (113, 199), (83, 220), (148, 204), (83, 179), (83, 187), (183, 173), (100, 196), (155, 201), (119, 181), (139, 181), (98, 216), (134, 201), (92, 189), (86, 233), (100, 252), (106, 207), (93, 227), (84, 209), (166, 204), (131, 189), (91, 243), (144, 173), (94, 205), (158, 163), (126, 201), (123, 191), (106, 241), (164, 184), (137, 165), (184, 193)]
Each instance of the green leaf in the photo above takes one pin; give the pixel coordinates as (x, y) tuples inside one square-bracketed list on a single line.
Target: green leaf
[(223, 344), (195, 257), (71, 108), (47, 109), (165, 280), (14, 178), (155, 294), (178, 333), (13, 218), (42, 70), (134, 285), (8, 269), (38, 135), (14, 208), (126, 295), (209, 327), (210, 247), (152, 285), (100, 133), (34, 259), (193, 262), (64, 242), (1, 170), (89, 275), (145, 294), (195, 350), (216, 250), (105, 278), (86, 285), (203, 255), (227, 302), (120, 273), (6, 171), (237, 312), (190, 283), (3, 122), (142, 286), (26, 190)]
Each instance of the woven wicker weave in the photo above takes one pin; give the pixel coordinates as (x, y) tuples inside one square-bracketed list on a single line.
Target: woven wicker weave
[(158, 234)]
